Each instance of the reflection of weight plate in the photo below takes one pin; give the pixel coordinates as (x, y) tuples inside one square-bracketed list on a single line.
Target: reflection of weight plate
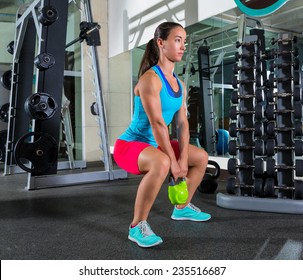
[(6, 79), (4, 111), (48, 15), (11, 47), (3, 136), (36, 152), (40, 106), (44, 61)]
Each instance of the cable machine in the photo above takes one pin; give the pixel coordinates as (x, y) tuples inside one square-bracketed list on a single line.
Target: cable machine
[(35, 118)]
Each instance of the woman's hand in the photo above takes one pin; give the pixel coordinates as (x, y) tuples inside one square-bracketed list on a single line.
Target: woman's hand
[(175, 170), (183, 164)]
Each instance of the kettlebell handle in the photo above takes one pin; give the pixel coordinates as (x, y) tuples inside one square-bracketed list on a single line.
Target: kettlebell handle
[(172, 181), (217, 167)]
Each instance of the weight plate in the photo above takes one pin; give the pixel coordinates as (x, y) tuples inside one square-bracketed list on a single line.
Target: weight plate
[(4, 112), (36, 152), (3, 138), (48, 15), (44, 61), (40, 106), (6, 79)]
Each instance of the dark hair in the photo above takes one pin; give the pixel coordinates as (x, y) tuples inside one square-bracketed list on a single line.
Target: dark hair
[(151, 54)]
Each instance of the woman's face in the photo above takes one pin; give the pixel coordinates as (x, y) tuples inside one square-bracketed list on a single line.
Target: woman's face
[(174, 46)]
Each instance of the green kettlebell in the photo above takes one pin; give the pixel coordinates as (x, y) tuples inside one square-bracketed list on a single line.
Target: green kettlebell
[(177, 192)]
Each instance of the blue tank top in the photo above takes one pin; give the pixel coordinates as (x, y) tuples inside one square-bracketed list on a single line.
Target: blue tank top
[(140, 128)]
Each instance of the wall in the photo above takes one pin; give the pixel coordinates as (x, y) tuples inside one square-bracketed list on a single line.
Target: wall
[(132, 22)]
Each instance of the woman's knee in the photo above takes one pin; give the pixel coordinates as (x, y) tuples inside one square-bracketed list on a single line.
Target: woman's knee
[(161, 165), (155, 161), (198, 157)]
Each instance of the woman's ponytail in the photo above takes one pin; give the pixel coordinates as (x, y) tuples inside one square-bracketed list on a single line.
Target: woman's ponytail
[(150, 57)]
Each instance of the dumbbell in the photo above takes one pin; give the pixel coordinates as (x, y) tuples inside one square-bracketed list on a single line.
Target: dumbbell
[(235, 97), (297, 110), (273, 65), (271, 128), (257, 67), (270, 187), (258, 166), (294, 39), (258, 147), (253, 55), (258, 81), (258, 129), (271, 167), (233, 112), (274, 52), (248, 44), (271, 147), (271, 94), (270, 83), (257, 186)]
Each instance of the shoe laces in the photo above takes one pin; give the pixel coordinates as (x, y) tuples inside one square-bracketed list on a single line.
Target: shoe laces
[(193, 207), (145, 228)]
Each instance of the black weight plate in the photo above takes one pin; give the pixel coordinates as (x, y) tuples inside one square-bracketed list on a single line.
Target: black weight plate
[(4, 112), (40, 106), (3, 138), (48, 15), (6, 79), (44, 61), (36, 152)]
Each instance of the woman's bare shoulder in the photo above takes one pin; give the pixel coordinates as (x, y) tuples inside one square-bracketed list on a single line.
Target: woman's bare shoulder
[(149, 81)]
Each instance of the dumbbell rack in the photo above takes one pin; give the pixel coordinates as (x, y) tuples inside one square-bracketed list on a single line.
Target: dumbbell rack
[(271, 139), (284, 109)]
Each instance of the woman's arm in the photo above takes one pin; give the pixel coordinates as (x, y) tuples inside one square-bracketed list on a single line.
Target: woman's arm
[(182, 127)]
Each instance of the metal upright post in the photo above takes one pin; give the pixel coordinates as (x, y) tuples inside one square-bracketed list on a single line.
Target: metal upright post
[(99, 97)]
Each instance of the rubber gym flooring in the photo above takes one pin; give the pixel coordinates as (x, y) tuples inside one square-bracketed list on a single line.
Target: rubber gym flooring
[(90, 222)]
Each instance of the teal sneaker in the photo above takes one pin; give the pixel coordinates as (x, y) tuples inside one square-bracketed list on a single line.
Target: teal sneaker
[(190, 213), (143, 235)]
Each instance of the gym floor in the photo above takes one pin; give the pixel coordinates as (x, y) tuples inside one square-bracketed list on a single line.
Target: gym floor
[(90, 222)]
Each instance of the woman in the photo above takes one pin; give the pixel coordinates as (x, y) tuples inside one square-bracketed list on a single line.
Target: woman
[(145, 147)]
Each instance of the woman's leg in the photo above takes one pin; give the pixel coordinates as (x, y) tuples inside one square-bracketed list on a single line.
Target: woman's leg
[(197, 161), (155, 165)]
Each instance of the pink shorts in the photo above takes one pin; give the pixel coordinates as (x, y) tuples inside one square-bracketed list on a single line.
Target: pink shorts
[(126, 154)]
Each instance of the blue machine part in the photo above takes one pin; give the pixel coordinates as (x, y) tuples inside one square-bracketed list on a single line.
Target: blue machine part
[(222, 137)]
